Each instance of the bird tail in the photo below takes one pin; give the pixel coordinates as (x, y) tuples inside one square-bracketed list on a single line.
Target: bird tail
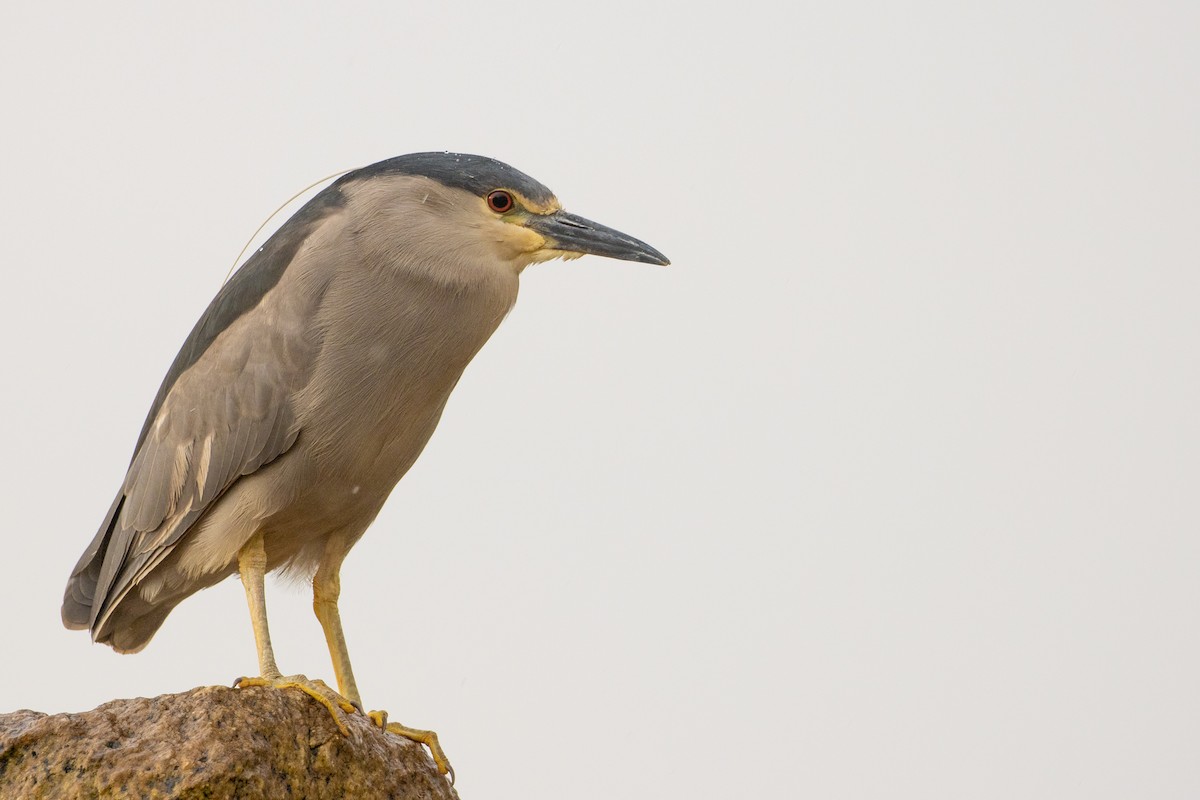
[(80, 596), (122, 619)]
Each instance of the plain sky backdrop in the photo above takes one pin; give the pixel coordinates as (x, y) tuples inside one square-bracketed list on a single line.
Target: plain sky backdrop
[(888, 487)]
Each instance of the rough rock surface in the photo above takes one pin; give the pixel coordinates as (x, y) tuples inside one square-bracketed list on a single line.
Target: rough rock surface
[(211, 742)]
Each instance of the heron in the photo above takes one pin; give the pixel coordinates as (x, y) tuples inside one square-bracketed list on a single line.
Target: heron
[(309, 387)]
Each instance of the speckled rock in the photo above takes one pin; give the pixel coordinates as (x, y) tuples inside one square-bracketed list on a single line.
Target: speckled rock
[(212, 742)]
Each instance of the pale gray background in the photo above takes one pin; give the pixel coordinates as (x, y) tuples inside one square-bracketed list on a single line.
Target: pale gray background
[(886, 488)]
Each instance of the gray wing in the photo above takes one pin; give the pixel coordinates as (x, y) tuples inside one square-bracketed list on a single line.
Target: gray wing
[(225, 409), (231, 413)]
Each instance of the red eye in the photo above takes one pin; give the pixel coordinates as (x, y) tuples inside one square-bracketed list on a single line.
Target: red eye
[(500, 201)]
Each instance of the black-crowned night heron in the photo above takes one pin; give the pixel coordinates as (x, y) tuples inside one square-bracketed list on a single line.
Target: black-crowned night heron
[(309, 387)]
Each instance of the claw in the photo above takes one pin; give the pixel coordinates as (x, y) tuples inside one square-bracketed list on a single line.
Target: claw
[(337, 705), (427, 738)]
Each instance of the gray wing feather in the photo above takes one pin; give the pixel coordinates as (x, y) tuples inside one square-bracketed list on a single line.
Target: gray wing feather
[(226, 417)]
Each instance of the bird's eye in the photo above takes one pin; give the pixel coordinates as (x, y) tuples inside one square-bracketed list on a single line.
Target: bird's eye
[(500, 201)]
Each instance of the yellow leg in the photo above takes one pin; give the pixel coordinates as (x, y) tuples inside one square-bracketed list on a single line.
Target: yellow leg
[(327, 587), (252, 565)]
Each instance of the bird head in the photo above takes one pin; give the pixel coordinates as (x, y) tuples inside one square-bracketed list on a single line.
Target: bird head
[(472, 208)]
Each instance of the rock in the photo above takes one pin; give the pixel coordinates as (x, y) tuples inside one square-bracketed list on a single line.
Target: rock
[(212, 742)]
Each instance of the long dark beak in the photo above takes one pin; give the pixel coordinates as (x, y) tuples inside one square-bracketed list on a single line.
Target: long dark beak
[(575, 234)]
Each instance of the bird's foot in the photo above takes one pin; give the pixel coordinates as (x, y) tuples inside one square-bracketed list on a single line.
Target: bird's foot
[(427, 738), (337, 705)]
